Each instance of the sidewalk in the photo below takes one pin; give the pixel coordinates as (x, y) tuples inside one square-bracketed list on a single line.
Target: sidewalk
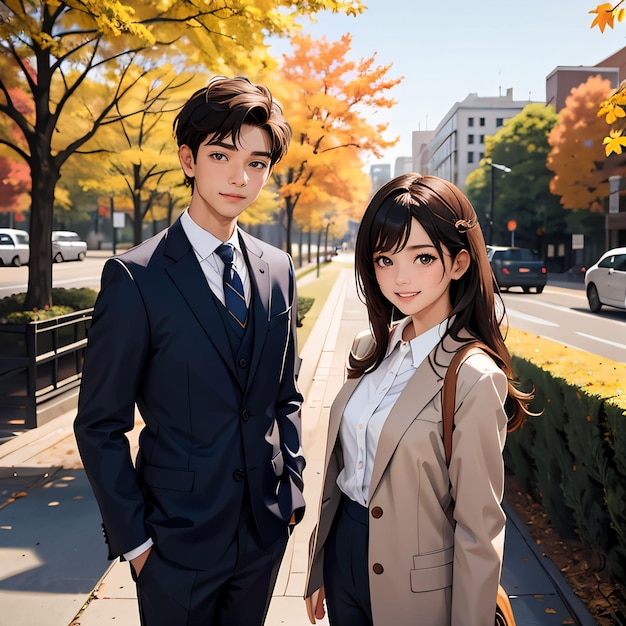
[(53, 558)]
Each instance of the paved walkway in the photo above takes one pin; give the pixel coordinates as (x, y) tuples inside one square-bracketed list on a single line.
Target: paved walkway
[(53, 567)]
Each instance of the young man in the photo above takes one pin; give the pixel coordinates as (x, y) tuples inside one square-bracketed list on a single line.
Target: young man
[(207, 352)]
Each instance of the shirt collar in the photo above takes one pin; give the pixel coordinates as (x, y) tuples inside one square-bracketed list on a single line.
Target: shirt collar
[(202, 241), (422, 345)]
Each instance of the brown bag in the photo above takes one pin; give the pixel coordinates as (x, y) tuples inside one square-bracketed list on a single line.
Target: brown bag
[(504, 611)]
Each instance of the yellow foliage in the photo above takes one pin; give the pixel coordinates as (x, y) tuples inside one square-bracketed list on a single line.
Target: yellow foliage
[(614, 143), (596, 376), (613, 108)]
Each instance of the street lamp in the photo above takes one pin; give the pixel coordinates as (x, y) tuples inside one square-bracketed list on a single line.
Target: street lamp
[(490, 217)]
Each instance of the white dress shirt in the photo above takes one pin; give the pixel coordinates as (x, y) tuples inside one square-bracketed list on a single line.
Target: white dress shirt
[(204, 245), (371, 402)]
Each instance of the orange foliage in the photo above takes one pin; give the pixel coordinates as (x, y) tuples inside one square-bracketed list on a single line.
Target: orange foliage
[(606, 14), (14, 186), (578, 158), (334, 106)]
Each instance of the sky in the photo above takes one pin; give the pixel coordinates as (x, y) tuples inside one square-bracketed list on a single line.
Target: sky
[(447, 50)]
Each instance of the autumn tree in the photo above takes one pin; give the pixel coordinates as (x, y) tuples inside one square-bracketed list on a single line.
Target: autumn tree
[(58, 52), (523, 194), (580, 165), (332, 104), (138, 152)]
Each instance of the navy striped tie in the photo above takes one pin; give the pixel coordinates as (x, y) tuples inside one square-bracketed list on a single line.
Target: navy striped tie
[(233, 290)]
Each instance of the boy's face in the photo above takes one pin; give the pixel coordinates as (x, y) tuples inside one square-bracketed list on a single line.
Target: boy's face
[(227, 178)]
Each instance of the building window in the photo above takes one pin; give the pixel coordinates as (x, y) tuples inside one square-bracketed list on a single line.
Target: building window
[(481, 155), (470, 139), (482, 139), (470, 121), (470, 157), (499, 122), (482, 121)]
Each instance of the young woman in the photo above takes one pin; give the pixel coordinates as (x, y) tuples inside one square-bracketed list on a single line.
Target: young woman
[(402, 539)]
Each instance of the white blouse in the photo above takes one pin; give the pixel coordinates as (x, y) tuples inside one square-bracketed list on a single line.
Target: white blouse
[(371, 402)]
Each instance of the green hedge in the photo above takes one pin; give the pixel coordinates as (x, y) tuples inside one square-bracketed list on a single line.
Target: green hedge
[(63, 301), (572, 457)]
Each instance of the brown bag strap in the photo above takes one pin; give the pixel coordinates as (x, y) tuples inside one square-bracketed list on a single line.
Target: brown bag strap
[(448, 393), (504, 612)]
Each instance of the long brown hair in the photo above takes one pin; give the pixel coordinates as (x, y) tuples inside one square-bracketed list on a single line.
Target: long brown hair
[(449, 219)]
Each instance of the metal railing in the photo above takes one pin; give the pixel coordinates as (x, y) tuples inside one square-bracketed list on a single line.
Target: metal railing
[(39, 361)]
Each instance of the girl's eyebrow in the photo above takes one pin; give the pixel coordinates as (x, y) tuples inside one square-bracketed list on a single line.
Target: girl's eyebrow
[(232, 146), (420, 246)]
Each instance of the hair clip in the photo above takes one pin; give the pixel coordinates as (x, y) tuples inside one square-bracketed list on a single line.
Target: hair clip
[(464, 225)]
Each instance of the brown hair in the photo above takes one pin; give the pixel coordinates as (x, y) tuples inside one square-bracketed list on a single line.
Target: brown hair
[(220, 109), (449, 219)]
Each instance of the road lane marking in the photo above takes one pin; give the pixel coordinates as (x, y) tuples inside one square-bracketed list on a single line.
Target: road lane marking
[(607, 341), (530, 318)]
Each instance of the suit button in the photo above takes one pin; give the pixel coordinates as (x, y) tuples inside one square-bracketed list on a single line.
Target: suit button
[(243, 363), (377, 512), (378, 568), (245, 416), (239, 475)]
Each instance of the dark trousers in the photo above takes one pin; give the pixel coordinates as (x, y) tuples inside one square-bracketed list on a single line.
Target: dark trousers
[(236, 592), (346, 580)]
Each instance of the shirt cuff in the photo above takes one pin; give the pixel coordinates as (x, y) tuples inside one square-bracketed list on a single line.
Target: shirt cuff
[(133, 554)]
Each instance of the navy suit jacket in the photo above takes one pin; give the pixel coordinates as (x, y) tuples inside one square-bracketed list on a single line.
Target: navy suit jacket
[(158, 341)]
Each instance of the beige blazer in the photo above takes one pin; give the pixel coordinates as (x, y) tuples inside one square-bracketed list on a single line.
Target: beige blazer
[(425, 568)]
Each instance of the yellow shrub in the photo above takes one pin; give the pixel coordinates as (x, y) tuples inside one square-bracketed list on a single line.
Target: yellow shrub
[(595, 375)]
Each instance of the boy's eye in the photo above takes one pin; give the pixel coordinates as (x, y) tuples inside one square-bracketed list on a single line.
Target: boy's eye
[(218, 156), (259, 165), (382, 261)]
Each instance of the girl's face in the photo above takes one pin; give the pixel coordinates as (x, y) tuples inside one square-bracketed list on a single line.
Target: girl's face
[(416, 280)]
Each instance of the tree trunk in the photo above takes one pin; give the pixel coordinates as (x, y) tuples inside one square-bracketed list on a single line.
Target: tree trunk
[(289, 209), (44, 180)]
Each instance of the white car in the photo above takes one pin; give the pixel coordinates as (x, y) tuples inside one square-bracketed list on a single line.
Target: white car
[(67, 246), (605, 281), (14, 248)]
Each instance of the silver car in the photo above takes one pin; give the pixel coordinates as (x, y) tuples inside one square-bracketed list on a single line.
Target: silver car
[(14, 247), (605, 281), (67, 246)]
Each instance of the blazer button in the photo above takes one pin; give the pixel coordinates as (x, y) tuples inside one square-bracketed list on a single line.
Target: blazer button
[(239, 475), (377, 512), (243, 363), (245, 416), (378, 568)]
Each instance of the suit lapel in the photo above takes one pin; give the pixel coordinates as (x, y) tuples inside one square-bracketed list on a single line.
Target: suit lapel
[(189, 279)]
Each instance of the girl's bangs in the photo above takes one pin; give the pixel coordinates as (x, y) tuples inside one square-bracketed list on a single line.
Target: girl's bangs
[(392, 224)]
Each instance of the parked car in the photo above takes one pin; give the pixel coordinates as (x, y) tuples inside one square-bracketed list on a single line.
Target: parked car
[(517, 267), (67, 246), (605, 280), (14, 248)]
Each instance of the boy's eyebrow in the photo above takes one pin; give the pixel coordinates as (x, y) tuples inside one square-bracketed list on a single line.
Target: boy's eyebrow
[(232, 146)]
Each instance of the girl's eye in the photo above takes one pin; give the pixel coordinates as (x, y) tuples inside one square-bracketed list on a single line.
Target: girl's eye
[(258, 165), (425, 259), (383, 261)]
